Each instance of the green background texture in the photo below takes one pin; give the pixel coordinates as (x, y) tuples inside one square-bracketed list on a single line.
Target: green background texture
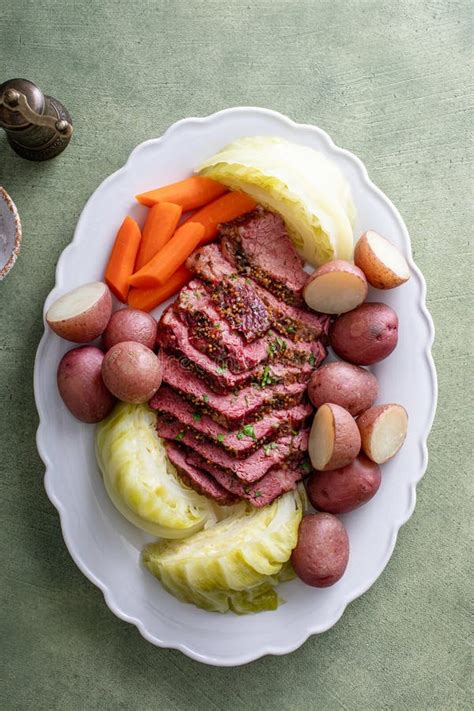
[(390, 81)]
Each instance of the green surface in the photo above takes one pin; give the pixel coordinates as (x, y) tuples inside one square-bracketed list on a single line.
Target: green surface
[(389, 81)]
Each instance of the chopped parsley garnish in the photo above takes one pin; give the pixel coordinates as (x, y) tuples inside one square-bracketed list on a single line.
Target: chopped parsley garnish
[(306, 467), (197, 416), (281, 343), (311, 359), (240, 435), (249, 431), (267, 448), (290, 328), (180, 436), (220, 437), (257, 494), (219, 370), (266, 379), (205, 398)]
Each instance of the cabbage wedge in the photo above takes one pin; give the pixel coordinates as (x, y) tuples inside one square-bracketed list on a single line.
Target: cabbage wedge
[(141, 482), (236, 564), (305, 187)]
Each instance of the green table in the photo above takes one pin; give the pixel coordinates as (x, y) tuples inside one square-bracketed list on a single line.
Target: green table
[(389, 81)]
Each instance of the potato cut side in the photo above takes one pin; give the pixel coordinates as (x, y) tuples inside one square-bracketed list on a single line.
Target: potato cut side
[(82, 314), (321, 439), (383, 437), (335, 293), (382, 263), (335, 288), (76, 302)]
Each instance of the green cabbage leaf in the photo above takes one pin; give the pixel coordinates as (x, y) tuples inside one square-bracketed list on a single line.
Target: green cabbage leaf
[(236, 564), (140, 480), (303, 185)]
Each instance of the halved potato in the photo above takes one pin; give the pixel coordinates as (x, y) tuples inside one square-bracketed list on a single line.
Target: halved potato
[(382, 263), (335, 288), (82, 314), (383, 429), (334, 440)]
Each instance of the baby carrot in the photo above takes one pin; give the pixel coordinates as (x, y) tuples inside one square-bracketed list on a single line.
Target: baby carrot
[(224, 209), (159, 227), (147, 299), (122, 258), (170, 257), (189, 193)]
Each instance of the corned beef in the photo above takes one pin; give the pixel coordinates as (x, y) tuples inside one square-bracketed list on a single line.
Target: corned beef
[(274, 424), (231, 409), (252, 467), (198, 479), (257, 245)]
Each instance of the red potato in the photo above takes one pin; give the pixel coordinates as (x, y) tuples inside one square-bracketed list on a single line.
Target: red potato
[(82, 314), (383, 429), (349, 386), (81, 386), (335, 288), (366, 335), (322, 552), (382, 263), (130, 325), (132, 372), (345, 489), (334, 440)]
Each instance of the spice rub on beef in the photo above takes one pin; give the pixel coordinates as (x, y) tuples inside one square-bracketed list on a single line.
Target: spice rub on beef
[(237, 348), (230, 409), (172, 407), (252, 467), (294, 322), (173, 334), (257, 245)]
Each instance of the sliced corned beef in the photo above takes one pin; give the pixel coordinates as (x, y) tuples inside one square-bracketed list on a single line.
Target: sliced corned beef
[(258, 245), (275, 423), (278, 480), (252, 467), (231, 409), (198, 479), (211, 334), (297, 323), (173, 334)]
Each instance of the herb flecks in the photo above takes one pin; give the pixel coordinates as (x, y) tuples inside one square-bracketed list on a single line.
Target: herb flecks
[(197, 416), (220, 437), (267, 448), (266, 379), (180, 436)]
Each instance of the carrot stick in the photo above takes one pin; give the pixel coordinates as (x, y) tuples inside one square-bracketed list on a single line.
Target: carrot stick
[(224, 209), (159, 227), (147, 299), (122, 258), (190, 193), (170, 257)]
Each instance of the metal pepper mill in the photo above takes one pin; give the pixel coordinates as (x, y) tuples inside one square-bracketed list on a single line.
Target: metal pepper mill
[(38, 127)]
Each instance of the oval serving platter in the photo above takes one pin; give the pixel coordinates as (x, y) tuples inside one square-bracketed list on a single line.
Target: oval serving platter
[(103, 544)]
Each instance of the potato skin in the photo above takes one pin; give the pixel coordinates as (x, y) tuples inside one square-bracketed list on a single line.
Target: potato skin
[(366, 335), (130, 325), (345, 489), (132, 372), (86, 326), (81, 386), (344, 384), (322, 552)]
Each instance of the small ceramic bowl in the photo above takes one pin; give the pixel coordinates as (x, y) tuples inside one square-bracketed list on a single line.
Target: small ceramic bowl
[(10, 233)]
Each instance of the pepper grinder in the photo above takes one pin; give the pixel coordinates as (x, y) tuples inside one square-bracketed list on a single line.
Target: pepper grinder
[(38, 127)]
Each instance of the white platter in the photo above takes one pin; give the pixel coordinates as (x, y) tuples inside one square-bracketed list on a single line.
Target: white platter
[(104, 545)]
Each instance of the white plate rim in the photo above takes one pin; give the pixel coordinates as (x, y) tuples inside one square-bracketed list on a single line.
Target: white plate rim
[(273, 649)]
